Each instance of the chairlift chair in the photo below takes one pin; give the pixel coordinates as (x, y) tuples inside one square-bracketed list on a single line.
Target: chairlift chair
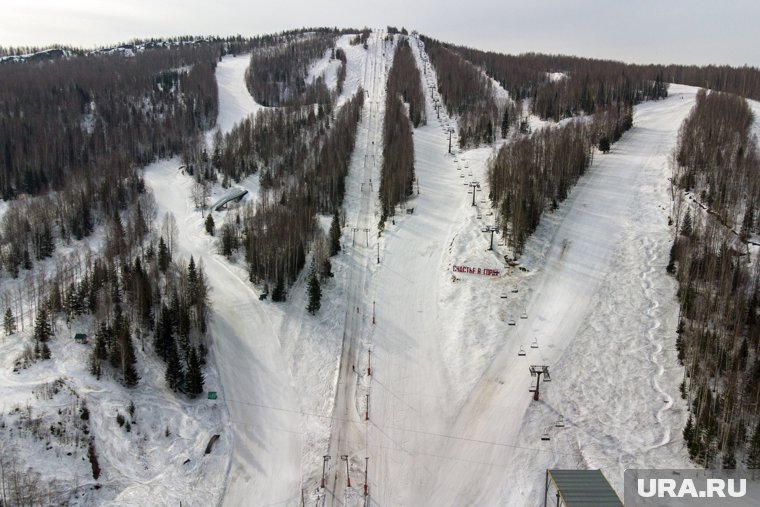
[(521, 352), (560, 422), (511, 322), (534, 344), (514, 290), (545, 435), (503, 296), (524, 315)]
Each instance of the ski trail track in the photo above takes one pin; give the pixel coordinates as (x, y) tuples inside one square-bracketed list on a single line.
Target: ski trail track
[(603, 313), (359, 244), (410, 377), (257, 383)]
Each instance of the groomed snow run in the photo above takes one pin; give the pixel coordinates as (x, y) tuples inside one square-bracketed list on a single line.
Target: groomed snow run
[(451, 421)]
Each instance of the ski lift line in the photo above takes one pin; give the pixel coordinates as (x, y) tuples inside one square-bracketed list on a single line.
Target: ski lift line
[(389, 427), (471, 440)]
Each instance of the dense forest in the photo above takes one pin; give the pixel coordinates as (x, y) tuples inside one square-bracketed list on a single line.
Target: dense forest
[(277, 234), (586, 85), (468, 93), (534, 173), (716, 176), (101, 117), (277, 74), (397, 176), (304, 156)]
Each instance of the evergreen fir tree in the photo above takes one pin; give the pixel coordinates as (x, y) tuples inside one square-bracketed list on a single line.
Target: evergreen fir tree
[(164, 338), (174, 376), (9, 322), (686, 227), (688, 431), (44, 351), (42, 329), (130, 371), (194, 374), (278, 294), (505, 123), (229, 240), (100, 351), (335, 234), (139, 226), (315, 294), (163, 255), (192, 282), (210, 224)]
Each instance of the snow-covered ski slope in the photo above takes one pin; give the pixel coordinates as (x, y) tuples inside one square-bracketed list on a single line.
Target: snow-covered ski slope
[(266, 443), (451, 421), (596, 300)]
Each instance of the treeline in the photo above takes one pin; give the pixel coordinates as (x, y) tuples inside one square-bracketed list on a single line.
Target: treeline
[(467, 93), (73, 132), (275, 140), (31, 228), (68, 119), (534, 173), (590, 83), (306, 177), (277, 74), (404, 81), (361, 38), (130, 291), (397, 176), (716, 158), (718, 338), (340, 55)]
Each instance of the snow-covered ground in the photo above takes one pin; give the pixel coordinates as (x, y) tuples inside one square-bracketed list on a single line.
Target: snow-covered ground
[(451, 421), (280, 366), (450, 416), (456, 424), (142, 466)]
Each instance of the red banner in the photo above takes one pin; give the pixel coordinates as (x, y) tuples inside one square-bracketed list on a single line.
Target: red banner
[(476, 271)]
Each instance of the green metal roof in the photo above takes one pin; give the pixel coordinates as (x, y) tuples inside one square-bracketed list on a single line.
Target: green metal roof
[(584, 488)]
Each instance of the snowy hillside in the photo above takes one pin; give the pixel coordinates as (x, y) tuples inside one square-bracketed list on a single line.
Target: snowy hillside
[(411, 385)]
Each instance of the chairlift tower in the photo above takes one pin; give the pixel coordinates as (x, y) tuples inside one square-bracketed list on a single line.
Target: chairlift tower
[(536, 371), (475, 185), (492, 229)]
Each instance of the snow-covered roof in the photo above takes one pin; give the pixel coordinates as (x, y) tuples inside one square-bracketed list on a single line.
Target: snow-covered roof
[(584, 488)]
